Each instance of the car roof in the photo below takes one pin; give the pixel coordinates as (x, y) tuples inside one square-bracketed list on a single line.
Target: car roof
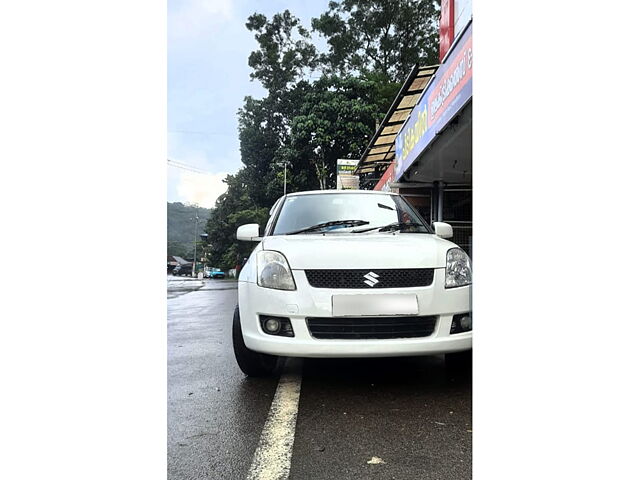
[(342, 192)]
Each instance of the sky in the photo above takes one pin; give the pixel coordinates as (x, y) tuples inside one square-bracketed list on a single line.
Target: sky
[(208, 77)]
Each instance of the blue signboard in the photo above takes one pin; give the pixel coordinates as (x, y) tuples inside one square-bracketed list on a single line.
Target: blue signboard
[(446, 94)]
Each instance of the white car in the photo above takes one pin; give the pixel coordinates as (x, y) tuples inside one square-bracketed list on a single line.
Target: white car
[(349, 273)]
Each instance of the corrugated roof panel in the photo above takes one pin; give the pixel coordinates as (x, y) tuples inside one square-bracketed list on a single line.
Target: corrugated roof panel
[(427, 71), (409, 101), (383, 149), (400, 115), (391, 129), (374, 156), (383, 139), (419, 83)]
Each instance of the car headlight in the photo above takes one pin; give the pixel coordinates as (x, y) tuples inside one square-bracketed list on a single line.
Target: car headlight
[(458, 271), (274, 271)]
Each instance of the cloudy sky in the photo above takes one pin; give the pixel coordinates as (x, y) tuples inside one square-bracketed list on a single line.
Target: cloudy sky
[(208, 77)]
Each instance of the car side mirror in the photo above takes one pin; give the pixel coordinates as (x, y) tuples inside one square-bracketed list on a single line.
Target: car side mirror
[(443, 230), (249, 232)]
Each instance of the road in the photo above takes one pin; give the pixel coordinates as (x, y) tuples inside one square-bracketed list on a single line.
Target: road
[(410, 413)]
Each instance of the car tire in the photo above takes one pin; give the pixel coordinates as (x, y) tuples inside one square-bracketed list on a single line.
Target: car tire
[(252, 364), (459, 361)]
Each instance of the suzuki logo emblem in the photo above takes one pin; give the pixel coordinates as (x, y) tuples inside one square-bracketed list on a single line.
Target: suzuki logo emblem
[(371, 279)]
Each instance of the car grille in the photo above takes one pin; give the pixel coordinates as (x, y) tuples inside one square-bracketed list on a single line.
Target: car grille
[(361, 328), (376, 278)]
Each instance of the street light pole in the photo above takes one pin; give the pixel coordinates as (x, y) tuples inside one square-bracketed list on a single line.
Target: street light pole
[(203, 239), (195, 237), (284, 186)]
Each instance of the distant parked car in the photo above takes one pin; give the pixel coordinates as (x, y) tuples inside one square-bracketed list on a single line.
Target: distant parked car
[(183, 269), (214, 273)]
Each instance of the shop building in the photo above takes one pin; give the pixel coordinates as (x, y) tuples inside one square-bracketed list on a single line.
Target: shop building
[(423, 148)]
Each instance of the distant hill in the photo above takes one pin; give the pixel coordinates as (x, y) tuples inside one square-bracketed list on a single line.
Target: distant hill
[(181, 225)]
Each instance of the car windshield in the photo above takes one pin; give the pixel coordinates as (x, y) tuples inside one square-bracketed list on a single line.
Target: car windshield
[(347, 213)]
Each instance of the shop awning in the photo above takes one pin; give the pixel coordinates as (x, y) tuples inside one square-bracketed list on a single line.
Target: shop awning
[(381, 149)]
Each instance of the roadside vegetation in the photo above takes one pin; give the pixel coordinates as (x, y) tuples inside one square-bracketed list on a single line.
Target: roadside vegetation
[(181, 226)]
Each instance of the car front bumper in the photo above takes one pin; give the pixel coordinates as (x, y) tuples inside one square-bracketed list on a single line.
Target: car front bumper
[(307, 301)]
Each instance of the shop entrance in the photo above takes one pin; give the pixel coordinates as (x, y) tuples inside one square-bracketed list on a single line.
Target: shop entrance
[(456, 210), (452, 204)]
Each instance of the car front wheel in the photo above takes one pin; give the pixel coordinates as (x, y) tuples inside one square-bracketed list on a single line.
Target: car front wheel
[(253, 364)]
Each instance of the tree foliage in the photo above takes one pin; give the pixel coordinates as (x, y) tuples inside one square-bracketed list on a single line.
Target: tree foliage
[(384, 36), (318, 107), (233, 208), (334, 121), (285, 51)]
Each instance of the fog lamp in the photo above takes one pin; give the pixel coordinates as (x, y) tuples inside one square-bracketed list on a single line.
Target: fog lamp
[(272, 325), (280, 326), (460, 323)]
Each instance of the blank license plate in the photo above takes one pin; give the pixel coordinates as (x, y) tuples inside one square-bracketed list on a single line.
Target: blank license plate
[(364, 305)]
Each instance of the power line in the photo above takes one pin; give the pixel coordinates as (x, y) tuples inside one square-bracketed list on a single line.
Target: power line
[(195, 132), (184, 166)]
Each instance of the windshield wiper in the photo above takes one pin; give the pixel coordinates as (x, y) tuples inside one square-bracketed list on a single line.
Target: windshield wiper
[(345, 223), (390, 227), (386, 207), (399, 226)]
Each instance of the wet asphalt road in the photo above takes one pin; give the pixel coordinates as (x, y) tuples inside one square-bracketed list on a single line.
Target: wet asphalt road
[(411, 412)]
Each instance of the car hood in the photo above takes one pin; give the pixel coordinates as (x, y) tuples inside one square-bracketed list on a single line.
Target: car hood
[(354, 251)]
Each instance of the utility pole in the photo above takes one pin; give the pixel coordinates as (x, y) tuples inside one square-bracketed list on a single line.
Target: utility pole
[(284, 186), (195, 239)]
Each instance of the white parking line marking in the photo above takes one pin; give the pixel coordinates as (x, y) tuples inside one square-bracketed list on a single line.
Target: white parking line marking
[(272, 459)]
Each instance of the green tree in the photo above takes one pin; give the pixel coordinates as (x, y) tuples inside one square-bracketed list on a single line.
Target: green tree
[(334, 121), (384, 36), (233, 208), (284, 52), (283, 57)]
